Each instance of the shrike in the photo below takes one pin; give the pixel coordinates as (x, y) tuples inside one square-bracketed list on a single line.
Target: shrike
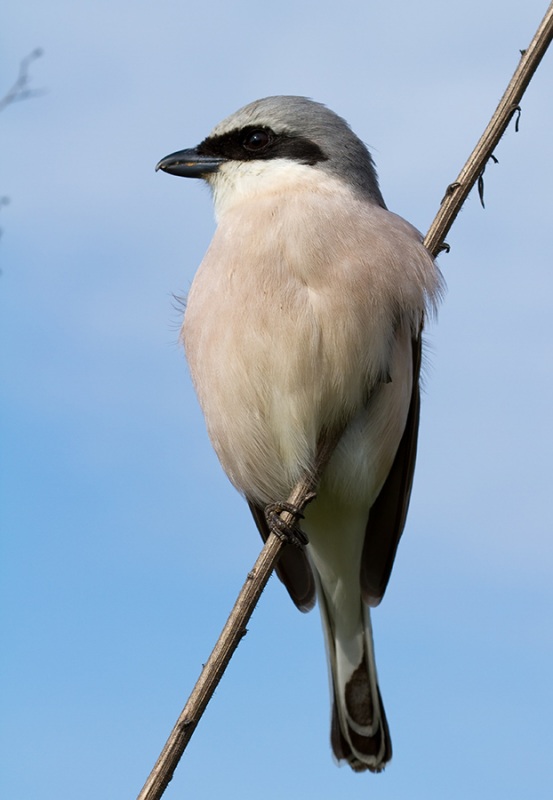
[(304, 319)]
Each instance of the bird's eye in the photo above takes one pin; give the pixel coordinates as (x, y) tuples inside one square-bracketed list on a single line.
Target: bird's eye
[(257, 140)]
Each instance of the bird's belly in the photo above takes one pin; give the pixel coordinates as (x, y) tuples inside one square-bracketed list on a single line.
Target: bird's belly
[(264, 393), (275, 361)]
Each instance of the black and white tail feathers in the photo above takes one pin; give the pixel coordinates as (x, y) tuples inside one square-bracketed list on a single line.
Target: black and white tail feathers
[(359, 731)]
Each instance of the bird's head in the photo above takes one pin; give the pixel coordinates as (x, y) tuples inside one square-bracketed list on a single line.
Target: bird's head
[(283, 140)]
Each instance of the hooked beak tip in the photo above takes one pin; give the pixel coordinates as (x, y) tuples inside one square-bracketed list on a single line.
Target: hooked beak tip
[(189, 164)]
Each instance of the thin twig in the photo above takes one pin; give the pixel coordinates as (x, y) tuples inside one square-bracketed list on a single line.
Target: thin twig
[(235, 627), (20, 89), (456, 192), (232, 633), (213, 670)]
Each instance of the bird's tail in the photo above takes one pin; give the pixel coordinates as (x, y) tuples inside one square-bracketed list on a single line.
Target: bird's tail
[(359, 732)]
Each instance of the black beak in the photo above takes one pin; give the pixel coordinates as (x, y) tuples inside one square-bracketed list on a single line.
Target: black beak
[(190, 164)]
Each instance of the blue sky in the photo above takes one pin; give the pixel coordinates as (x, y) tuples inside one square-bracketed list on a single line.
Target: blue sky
[(123, 545)]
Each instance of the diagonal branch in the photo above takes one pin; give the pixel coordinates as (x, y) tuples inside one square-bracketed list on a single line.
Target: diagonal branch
[(235, 627), (232, 633), (457, 192)]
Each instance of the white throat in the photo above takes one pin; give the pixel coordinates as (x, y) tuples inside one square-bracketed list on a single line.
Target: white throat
[(236, 182)]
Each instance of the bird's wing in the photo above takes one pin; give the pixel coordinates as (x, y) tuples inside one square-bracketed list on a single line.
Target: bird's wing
[(389, 511), (293, 568)]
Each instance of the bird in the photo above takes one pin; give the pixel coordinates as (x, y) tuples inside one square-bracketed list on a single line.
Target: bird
[(303, 323)]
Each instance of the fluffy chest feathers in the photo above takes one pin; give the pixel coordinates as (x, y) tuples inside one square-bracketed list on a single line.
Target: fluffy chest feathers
[(292, 321)]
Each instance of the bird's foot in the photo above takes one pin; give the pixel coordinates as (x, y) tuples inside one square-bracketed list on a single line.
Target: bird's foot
[(289, 531)]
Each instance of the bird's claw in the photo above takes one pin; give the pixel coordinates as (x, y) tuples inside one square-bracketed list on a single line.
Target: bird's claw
[(288, 531)]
